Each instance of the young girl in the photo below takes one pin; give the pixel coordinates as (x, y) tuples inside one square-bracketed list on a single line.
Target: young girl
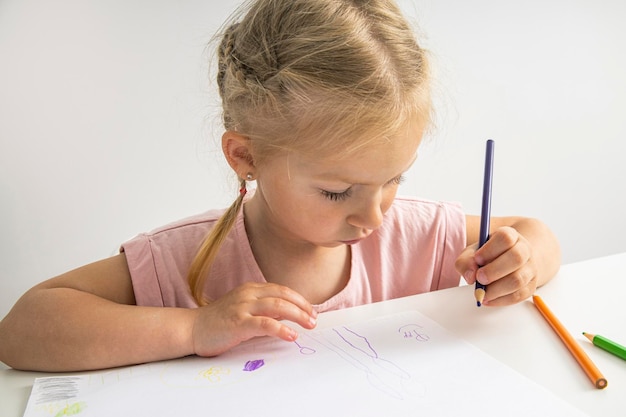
[(325, 103)]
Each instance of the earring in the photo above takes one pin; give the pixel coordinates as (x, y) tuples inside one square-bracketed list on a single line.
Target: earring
[(249, 176)]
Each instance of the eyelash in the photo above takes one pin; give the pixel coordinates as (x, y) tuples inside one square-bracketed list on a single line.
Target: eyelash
[(337, 196), (345, 194), (397, 180)]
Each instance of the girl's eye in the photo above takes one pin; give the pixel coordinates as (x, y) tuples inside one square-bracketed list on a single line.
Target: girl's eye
[(333, 196), (397, 180), (336, 196)]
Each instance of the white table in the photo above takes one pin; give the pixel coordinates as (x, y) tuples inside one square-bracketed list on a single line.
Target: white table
[(585, 296)]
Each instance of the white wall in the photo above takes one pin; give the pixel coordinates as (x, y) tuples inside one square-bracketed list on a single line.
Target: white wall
[(108, 126)]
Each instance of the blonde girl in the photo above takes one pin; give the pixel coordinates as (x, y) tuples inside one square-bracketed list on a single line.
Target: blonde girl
[(325, 103)]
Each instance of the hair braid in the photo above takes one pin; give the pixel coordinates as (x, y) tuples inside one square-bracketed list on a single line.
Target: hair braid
[(208, 251)]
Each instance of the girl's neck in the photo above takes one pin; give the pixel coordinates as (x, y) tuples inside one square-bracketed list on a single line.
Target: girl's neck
[(316, 272)]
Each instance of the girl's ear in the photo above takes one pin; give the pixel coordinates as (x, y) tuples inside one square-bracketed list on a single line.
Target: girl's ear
[(238, 153)]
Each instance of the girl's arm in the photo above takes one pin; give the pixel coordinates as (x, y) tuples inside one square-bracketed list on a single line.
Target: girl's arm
[(520, 255), (87, 319)]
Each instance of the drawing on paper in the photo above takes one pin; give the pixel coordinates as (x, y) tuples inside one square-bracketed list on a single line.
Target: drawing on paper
[(72, 409), (413, 331), (358, 351), (387, 366), (213, 374), (253, 365), (305, 350)]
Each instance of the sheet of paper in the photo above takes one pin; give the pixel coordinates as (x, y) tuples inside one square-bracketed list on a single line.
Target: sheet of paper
[(403, 364)]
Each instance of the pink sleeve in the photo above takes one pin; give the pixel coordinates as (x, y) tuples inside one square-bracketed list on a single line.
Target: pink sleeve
[(143, 272), (159, 264)]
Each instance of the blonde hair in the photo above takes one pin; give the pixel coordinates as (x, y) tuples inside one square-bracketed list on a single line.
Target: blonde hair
[(313, 76)]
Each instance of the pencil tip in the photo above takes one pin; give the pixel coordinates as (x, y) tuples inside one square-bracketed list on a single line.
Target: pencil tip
[(589, 336), (479, 295)]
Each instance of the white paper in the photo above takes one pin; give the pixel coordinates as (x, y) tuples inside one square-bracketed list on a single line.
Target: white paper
[(398, 365)]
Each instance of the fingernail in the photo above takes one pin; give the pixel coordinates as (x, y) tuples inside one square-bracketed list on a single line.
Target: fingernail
[(469, 276), (312, 321), (481, 277)]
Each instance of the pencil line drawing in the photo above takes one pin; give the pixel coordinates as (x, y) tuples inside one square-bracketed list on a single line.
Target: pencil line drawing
[(413, 331), (358, 351), (305, 350)]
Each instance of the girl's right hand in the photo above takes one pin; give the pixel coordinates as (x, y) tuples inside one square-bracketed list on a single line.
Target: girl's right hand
[(250, 310)]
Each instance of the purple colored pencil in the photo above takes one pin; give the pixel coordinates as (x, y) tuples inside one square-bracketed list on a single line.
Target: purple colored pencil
[(485, 214)]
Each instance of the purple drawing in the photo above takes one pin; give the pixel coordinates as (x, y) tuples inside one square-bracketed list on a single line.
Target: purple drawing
[(253, 365), (305, 350), (357, 350), (413, 331)]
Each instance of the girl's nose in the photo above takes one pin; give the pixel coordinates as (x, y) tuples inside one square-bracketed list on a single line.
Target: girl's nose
[(368, 214)]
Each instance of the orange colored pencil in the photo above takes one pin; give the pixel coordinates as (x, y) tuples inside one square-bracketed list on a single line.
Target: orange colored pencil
[(579, 354)]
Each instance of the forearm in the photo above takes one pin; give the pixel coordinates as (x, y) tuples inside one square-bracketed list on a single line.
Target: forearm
[(63, 329), (546, 248)]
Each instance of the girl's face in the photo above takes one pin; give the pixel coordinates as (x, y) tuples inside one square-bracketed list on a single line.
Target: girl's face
[(332, 201)]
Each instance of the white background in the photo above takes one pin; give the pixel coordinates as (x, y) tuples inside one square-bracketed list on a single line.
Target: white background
[(109, 122)]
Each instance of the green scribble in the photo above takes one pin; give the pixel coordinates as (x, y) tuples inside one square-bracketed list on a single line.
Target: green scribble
[(72, 409)]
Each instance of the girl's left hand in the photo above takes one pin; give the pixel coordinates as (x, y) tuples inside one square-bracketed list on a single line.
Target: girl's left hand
[(505, 263)]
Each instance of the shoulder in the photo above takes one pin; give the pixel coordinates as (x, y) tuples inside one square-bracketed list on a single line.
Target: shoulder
[(415, 248), (412, 222), (413, 209), (203, 221), (177, 241), (159, 260)]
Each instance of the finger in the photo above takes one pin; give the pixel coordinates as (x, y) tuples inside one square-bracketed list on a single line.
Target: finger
[(496, 270), (509, 299), (514, 262), (517, 286), (257, 326), (466, 265), (500, 241), (269, 290), (279, 308), (265, 326)]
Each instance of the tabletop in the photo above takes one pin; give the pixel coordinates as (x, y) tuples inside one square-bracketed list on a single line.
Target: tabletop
[(585, 296)]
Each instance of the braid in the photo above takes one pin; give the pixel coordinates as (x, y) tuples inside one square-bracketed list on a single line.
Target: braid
[(208, 251), (244, 75), (225, 63)]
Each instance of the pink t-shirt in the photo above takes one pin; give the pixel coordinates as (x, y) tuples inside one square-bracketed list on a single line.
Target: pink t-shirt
[(412, 252)]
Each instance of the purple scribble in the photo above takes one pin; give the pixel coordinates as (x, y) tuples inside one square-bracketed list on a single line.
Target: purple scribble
[(253, 365)]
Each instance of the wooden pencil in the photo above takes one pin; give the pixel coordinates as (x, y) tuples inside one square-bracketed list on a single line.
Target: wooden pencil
[(485, 214), (607, 344), (575, 349)]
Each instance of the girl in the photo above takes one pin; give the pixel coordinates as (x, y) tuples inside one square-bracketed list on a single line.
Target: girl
[(325, 103)]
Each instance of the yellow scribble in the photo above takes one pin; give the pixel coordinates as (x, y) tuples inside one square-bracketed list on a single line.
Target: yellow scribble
[(72, 409), (213, 374)]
